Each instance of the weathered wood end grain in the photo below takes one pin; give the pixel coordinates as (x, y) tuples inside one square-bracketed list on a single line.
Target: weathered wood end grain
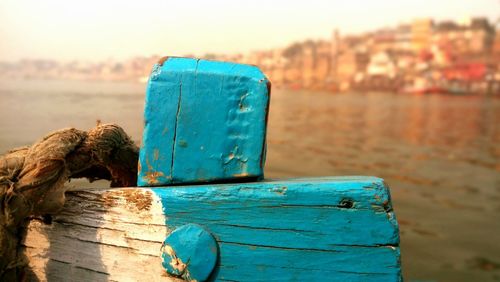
[(204, 121), (101, 235), (335, 229)]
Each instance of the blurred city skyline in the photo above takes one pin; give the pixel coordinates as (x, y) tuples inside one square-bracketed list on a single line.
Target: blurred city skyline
[(421, 56), (92, 31)]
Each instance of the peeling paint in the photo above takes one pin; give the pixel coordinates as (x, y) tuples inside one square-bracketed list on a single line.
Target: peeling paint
[(155, 72), (279, 190), (235, 155), (183, 143), (240, 175), (162, 60), (150, 167), (164, 131), (140, 200), (177, 265), (242, 106), (151, 177)]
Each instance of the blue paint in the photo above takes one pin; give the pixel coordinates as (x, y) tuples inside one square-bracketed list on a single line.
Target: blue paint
[(160, 116), (190, 252), (204, 121), (337, 228)]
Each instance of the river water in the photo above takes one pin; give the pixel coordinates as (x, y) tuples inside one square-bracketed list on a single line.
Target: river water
[(439, 154)]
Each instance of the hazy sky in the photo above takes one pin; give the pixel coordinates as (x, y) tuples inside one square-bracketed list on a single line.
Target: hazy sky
[(101, 29)]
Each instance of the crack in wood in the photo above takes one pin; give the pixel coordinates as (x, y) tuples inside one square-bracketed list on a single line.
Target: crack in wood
[(265, 228), (280, 248), (91, 270), (310, 249), (100, 243)]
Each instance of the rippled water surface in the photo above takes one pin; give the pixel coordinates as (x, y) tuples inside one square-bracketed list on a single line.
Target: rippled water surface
[(439, 154)]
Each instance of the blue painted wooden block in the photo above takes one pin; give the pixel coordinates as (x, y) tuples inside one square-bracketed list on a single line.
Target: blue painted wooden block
[(204, 121), (333, 229), (311, 229)]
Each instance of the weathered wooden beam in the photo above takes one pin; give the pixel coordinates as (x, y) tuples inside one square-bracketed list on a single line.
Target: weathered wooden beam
[(335, 229), (204, 121)]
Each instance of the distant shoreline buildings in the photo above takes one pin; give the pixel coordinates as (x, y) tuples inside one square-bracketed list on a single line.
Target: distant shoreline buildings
[(423, 56)]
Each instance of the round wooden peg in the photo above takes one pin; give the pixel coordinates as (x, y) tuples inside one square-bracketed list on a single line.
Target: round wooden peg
[(190, 252)]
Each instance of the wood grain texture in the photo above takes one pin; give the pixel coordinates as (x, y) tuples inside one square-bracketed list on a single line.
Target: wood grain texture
[(336, 229), (339, 229), (101, 235), (204, 121)]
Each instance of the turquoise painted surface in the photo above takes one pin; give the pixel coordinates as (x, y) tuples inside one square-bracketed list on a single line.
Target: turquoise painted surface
[(204, 121), (190, 252), (338, 229)]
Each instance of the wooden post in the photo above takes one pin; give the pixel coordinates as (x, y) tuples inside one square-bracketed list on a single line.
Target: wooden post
[(337, 229)]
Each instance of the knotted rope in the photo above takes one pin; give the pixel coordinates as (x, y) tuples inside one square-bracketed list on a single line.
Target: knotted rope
[(32, 180)]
